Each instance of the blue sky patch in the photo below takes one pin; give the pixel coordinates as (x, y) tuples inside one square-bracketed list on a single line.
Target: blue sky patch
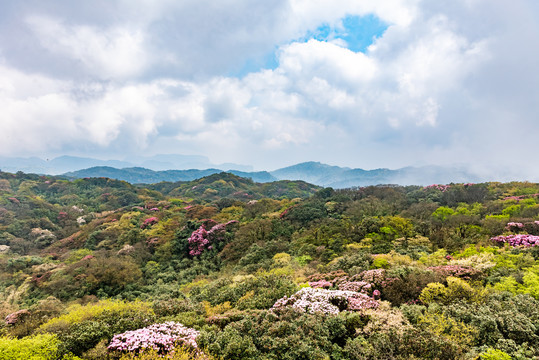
[(357, 32), (254, 64)]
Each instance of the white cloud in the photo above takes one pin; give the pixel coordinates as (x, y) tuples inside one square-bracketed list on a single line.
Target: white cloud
[(115, 52), (438, 86)]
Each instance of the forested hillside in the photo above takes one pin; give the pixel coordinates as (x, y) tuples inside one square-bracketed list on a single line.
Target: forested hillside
[(226, 268)]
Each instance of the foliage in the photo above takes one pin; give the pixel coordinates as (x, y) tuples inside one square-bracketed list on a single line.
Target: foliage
[(37, 347), (282, 270)]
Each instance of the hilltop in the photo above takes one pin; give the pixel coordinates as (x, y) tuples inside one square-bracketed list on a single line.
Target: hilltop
[(284, 269)]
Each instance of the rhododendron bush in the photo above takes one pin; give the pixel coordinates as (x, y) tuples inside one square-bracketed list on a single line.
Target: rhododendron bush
[(202, 239), (366, 282), (518, 240), (326, 301), (159, 337)]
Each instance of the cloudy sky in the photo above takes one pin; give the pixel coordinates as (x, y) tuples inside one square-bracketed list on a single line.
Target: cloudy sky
[(359, 83)]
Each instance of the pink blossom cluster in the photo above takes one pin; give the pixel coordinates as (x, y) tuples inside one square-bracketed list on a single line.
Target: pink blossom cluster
[(357, 286), (377, 277), (160, 337), (442, 188), (16, 317), (202, 239), (14, 200), (520, 197), (326, 302), (198, 241), (365, 282), (514, 225), (324, 284), (241, 194), (518, 240), (345, 285), (149, 221)]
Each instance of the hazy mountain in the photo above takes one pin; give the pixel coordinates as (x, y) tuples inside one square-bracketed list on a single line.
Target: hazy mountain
[(258, 176), (160, 162), (406, 176), (27, 165), (138, 175), (311, 172), (176, 167), (339, 177)]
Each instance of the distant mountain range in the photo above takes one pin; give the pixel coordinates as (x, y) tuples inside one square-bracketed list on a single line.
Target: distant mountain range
[(311, 172), (174, 168), (63, 164), (138, 175)]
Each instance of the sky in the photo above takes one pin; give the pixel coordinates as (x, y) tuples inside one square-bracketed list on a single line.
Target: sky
[(358, 83)]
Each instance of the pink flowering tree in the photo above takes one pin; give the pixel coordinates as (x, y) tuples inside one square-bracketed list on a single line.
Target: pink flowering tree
[(162, 338), (149, 222), (442, 188), (202, 239)]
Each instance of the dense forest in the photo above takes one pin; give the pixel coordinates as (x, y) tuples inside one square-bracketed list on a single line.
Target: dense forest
[(226, 268)]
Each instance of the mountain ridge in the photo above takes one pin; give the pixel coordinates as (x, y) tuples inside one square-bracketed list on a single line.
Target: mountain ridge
[(312, 172)]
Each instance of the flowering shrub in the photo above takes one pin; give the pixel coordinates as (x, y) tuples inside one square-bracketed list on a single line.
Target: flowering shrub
[(327, 302), (320, 284), (149, 221), (442, 188), (365, 282), (531, 228), (17, 317), (512, 226), (357, 283), (520, 197), (202, 239), (198, 241), (518, 240), (377, 277), (160, 337), (357, 286)]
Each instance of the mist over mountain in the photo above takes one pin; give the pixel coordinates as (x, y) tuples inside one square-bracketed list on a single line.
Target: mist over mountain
[(160, 162), (177, 167), (311, 172), (138, 175)]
